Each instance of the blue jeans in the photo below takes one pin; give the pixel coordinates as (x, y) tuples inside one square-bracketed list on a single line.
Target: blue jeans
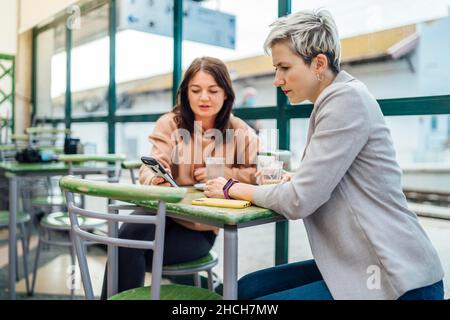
[(303, 281)]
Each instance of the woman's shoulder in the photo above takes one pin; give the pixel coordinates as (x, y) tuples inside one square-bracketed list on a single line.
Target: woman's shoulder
[(346, 86), (167, 120), (346, 95), (238, 123)]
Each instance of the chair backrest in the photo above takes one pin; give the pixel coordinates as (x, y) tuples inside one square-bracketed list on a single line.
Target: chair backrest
[(7, 152), (132, 165), (46, 137), (20, 141), (125, 192), (83, 160)]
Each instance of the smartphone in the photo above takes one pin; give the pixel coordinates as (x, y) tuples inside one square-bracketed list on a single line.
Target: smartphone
[(158, 169)]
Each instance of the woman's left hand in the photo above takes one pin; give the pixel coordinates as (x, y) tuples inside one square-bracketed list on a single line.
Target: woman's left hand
[(214, 188), (200, 174)]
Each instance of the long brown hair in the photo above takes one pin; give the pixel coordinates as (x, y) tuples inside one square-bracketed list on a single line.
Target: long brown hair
[(184, 116)]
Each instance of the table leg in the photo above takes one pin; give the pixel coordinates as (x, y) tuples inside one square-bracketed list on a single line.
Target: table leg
[(230, 263), (13, 193)]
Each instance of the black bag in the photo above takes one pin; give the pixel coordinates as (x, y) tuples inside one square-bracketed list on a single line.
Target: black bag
[(71, 145), (29, 155)]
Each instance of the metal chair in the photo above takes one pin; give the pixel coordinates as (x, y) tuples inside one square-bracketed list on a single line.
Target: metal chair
[(193, 267), (7, 152), (59, 221), (22, 218), (156, 291), (46, 137), (132, 165)]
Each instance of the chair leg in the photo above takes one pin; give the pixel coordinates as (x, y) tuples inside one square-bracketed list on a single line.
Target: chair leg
[(17, 265), (197, 281), (36, 262), (25, 255), (210, 280), (30, 231), (73, 263)]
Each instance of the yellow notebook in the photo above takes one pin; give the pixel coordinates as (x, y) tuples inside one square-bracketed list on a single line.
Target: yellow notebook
[(223, 203)]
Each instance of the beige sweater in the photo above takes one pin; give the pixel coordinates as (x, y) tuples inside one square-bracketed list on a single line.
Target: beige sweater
[(239, 149)]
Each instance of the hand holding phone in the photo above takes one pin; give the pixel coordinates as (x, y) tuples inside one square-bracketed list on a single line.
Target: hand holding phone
[(158, 169)]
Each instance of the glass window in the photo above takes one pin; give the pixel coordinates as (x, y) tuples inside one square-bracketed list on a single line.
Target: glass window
[(417, 139), (420, 138), (144, 69), (93, 136), (250, 68), (90, 64), (51, 73), (393, 54), (132, 139), (298, 134), (267, 133)]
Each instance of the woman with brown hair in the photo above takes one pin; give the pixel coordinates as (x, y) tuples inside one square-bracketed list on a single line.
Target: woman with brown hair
[(201, 125)]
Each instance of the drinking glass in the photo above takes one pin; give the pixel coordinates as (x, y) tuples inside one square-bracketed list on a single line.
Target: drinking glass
[(215, 167), (263, 161), (271, 172)]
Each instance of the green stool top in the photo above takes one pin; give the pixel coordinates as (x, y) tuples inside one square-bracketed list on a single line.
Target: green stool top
[(210, 260), (7, 147), (61, 221), (48, 201), (19, 137), (169, 292), (131, 164), (4, 218), (57, 150)]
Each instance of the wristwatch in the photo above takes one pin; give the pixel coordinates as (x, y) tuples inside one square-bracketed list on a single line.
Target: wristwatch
[(227, 187)]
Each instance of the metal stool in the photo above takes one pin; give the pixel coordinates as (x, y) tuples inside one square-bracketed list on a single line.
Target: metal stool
[(22, 218), (194, 267), (59, 221)]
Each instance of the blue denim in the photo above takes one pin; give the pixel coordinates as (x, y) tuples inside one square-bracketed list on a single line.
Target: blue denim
[(293, 281), (303, 281), (431, 292)]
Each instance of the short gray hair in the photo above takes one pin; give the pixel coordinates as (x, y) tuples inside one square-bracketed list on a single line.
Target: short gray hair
[(308, 33)]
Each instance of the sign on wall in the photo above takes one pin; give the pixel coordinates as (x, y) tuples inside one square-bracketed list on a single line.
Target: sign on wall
[(199, 24)]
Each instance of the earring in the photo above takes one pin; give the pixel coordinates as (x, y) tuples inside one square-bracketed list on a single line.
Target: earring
[(319, 77)]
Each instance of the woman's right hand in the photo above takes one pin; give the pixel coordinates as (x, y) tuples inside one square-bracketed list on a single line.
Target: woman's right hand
[(160, 181), (284, 178)]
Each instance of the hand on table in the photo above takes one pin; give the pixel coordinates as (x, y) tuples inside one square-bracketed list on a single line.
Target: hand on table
[(214, 188), (285, 177)]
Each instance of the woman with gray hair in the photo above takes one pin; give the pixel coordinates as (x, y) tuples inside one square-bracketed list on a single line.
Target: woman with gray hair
[(365, 242)]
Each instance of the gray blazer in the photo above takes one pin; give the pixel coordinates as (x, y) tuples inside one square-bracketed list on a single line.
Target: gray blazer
[(365, 241)]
